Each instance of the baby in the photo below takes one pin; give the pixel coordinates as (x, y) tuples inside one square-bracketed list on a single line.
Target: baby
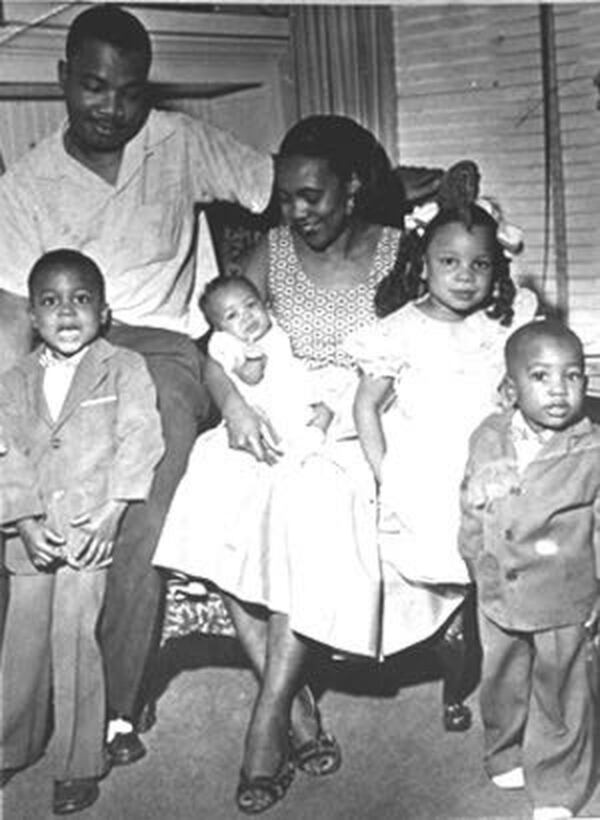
[(256, 354)]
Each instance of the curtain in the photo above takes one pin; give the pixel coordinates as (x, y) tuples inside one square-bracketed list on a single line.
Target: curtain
[(344, 64)]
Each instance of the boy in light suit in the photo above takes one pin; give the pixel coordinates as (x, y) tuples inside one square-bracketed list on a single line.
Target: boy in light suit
[(84, 437), (530, 537)]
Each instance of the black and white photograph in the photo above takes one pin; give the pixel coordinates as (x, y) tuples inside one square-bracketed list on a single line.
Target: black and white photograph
[(299, 410)]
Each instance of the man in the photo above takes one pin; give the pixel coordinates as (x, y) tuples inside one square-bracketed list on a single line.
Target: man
[(119, 182)]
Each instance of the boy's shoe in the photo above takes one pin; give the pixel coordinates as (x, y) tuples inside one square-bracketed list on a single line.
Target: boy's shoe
[(70, 796), (457, 717), (513, 779), (552, 813), (125, 748)]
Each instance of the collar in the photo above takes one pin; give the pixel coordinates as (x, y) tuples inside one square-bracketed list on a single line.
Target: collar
[(159, 126), (554, 439), (48, 359), (521, 431)]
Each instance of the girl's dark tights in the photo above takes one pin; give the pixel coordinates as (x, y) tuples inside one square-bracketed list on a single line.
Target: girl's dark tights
[(453, 654)]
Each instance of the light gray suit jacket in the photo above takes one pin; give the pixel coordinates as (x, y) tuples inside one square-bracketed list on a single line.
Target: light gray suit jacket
[(104, 445)]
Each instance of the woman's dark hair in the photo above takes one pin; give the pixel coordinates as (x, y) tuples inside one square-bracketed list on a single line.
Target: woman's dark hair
[(111, 24), (69, 259), (350, 149), (216, 286), (404, 282)]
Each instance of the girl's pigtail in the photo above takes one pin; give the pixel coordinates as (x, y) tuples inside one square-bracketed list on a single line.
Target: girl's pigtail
[(503, 294)]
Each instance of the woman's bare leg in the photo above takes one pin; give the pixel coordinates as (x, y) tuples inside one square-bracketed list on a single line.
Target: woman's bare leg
[(252, 631), (267, 739)]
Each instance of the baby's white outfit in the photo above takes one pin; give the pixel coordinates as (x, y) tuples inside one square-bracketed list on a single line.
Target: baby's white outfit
[(284, 394)]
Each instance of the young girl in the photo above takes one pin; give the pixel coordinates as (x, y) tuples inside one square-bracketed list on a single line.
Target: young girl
[(430, 371)]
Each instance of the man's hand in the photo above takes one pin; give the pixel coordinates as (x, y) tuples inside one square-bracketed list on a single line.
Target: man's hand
[(44, 546), (97, 529)]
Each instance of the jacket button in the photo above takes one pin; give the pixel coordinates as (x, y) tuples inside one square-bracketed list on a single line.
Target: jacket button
[(508, 535), (511, 575), (55, 442)]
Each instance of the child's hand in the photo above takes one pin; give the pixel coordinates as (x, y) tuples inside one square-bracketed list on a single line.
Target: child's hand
[(44, 546), (252, 369), (98, 528), (322, 416)]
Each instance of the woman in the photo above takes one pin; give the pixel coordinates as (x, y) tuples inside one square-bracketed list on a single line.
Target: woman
[(315, 574), (319, 272)]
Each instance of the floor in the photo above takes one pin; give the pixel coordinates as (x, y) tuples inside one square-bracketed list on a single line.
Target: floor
[(399, 763)]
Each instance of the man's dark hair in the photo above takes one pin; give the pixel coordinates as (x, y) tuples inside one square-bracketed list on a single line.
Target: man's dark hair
[(109, 24), (65, 258)]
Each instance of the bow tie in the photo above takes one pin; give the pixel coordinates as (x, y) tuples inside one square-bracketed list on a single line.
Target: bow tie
[(48, 359)]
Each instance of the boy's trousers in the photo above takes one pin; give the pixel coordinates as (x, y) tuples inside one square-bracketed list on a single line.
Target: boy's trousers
[(50, 653), (538, 712)]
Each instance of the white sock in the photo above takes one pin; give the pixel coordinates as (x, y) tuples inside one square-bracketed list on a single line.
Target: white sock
[(118, 726), (551, 813), (513, 779)]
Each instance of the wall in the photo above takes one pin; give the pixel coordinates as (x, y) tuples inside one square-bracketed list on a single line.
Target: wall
[(469, 84)]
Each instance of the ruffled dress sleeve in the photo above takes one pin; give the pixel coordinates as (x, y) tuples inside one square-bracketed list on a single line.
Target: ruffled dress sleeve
[(379, 350)]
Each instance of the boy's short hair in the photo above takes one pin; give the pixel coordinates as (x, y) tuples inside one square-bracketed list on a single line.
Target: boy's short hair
[(538, 329), (65, 258), (218, 285), (111, 24)]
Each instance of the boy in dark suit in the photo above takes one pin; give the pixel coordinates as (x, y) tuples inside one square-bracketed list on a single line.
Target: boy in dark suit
[(84, 437)]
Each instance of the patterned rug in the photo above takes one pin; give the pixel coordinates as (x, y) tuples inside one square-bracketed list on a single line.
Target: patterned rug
[(187, 613)]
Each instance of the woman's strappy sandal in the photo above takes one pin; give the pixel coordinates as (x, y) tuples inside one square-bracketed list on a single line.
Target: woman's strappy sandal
[(257, 794), (321, 755)]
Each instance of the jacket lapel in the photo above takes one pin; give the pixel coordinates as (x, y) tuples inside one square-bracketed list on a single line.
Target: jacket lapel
[(89, 374)]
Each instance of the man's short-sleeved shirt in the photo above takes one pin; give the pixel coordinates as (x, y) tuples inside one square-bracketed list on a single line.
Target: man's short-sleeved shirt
[(141, 230)]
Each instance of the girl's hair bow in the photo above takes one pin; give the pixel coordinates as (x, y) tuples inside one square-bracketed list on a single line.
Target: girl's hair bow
[(509, 236)]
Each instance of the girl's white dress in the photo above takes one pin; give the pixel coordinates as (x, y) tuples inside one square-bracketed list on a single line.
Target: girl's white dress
[(446, 377)]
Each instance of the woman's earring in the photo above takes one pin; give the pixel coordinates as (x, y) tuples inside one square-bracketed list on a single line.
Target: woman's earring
[(350, 203)]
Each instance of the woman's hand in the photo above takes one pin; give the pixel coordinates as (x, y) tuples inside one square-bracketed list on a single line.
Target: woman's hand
[(250, 431)]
